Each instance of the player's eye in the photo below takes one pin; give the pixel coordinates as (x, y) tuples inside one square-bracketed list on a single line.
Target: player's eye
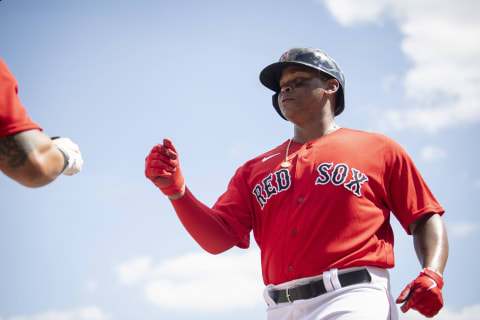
[(296, 83), (300, 82)]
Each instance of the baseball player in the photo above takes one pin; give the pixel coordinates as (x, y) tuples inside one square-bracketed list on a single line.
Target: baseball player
[(27, 155), (319, 206)]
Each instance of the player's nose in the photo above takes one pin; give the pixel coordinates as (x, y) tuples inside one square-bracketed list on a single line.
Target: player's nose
[(285, 88)]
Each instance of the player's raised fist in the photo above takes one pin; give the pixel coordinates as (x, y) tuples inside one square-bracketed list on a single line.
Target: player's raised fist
[(163, 169), (423, 294)]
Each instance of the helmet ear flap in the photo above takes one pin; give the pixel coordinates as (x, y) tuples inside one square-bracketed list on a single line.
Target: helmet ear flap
[(340, 103), (276, 106)]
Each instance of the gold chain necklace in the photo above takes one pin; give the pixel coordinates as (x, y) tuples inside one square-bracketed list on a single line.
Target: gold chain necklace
[(286, 163)]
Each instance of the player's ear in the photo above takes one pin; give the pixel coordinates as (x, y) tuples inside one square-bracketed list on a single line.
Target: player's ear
[(331, 86)]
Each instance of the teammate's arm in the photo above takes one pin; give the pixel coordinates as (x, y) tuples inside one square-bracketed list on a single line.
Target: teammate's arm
[(208, 230), (31, 158), (431, 245)]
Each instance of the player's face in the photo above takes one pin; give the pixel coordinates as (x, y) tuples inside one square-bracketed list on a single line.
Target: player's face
[(302, 93)]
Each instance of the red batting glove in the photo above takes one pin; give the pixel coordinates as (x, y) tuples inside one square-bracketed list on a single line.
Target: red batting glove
[(162, 167), (423, 294)]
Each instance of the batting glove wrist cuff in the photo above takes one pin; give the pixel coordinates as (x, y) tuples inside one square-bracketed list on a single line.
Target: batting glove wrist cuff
[(434, 275), (177, 187), (177, 195), (71, 155)]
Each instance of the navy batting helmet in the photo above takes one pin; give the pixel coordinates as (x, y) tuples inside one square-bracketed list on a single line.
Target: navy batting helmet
[(304, 56)]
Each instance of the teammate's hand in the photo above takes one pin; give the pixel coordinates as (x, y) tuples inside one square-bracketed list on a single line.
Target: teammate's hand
[(163, 168), (423, 294), (72, 153)]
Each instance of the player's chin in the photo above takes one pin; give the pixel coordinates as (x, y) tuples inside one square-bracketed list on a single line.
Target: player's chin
[(287, 109), (289, 113)]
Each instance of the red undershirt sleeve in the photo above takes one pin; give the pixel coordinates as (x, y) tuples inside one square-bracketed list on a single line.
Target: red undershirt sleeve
[(201, 222)]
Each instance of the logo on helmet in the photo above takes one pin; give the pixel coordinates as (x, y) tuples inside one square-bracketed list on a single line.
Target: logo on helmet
[(284, 56)]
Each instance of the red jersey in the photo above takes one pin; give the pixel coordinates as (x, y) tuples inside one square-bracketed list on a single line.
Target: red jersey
[(13, 116), (330, 208)]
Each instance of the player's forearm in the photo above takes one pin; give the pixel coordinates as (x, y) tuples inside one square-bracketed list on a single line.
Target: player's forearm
[(30, 158), (201, 223), (431, 242)]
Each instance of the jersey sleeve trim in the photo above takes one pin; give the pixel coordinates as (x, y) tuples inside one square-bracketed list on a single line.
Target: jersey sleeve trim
[(427, 210)]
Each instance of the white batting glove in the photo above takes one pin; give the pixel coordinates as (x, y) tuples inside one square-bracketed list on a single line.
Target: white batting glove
[(72, 153)]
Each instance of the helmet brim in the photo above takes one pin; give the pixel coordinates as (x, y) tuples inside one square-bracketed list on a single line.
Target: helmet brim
[(270, 75)]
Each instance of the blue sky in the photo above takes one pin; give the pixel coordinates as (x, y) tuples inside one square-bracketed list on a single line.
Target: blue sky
[(118, 76)]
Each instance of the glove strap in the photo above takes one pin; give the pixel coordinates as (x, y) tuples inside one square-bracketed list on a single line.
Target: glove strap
[(173, 189), (435, 275), (66, 162)]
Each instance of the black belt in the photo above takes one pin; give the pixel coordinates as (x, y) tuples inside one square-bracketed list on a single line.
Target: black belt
[(316, 288)]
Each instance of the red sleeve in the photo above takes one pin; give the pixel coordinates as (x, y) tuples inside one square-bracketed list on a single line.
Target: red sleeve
[(13, 116), (235, 207), (203, 224), (409, 196)]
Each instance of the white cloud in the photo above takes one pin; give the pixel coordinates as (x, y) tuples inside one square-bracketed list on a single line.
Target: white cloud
[(85, 313), (468, 313), (440, 41), (433, 153), (204, 282), (462, 229), (133, 270), (348, 12)]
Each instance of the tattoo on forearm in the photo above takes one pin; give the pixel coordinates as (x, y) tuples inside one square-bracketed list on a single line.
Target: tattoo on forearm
[(12, 152)]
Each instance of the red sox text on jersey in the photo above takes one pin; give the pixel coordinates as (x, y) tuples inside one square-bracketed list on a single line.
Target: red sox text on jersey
[(280, 181)]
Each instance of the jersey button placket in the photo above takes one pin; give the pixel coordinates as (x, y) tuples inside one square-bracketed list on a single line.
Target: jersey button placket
[(304, 156), (292, 235), (306, 153)]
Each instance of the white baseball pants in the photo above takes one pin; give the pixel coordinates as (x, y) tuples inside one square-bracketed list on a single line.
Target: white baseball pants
[(364, 301)]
